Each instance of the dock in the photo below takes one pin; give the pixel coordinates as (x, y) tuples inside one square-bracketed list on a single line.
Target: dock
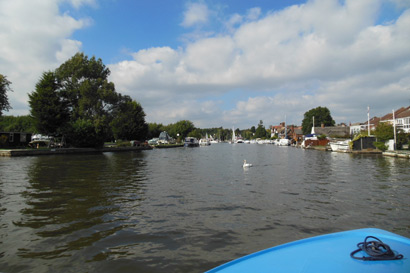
[(400, 154)]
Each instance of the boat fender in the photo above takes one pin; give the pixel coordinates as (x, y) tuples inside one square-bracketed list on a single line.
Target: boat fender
[(377, 251)]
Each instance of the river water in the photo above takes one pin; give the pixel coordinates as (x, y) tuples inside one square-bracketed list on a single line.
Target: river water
[(187, 209)]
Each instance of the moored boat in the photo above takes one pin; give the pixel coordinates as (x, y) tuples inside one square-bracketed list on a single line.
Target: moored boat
[(340, 146), (191, 142), (205, 141)]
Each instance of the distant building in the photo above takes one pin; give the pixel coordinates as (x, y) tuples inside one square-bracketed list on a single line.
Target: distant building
[(402, 119), (14, 139), (357, 127)]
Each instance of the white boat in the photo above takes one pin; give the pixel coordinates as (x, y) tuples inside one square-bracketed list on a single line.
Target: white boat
[(191, 142), (205, 141), (340, 146), (283, 142)]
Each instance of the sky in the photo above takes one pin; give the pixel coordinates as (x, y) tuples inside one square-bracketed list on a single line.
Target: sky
[(220, 63)]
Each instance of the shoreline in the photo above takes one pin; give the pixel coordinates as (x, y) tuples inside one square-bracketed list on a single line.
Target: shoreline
[(55, 151)]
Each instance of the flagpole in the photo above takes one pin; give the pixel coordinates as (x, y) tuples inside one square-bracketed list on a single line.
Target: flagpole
[(394, 131)]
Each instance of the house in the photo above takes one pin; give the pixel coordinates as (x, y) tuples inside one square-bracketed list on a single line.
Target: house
[(403, 120), (296, 133), (14, 139), (278, 130), (356, 128), (401, 117)]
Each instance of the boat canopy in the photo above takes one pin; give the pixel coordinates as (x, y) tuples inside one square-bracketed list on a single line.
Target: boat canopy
[(164, 136)]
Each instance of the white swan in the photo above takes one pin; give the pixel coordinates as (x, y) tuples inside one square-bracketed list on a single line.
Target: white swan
[(245, 165)]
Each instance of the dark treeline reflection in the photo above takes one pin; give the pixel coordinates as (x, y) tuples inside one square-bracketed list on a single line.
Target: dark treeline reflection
[(71, 200)]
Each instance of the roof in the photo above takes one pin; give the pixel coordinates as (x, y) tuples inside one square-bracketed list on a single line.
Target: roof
[(397, 113), (373, 121), (404, 114), (333, 130)]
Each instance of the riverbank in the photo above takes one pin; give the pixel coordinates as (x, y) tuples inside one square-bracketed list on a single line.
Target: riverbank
[(35, 152)]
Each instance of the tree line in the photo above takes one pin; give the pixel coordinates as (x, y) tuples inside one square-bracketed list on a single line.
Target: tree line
[(76, 101)]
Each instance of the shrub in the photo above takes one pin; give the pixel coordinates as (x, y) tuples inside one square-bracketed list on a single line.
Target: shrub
[(380, 145)]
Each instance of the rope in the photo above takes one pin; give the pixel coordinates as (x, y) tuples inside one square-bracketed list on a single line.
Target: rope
[(377, 251)]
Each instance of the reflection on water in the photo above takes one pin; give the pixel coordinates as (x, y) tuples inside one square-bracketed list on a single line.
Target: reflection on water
[(187, 210)]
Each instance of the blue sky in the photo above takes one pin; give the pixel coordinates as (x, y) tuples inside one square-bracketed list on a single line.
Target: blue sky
[(122, 26), (220, 63)]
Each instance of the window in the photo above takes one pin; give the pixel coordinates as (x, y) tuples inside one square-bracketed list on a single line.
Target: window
[(11, 137), (23, 138)]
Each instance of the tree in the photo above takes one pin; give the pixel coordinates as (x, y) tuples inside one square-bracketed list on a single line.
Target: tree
[(49, 111), (4, 87), (17, 124), (129, 121), (196, 133), (322, 116), (87, 102), (182, 127), (154, 129), (384, 131), (260, 131)]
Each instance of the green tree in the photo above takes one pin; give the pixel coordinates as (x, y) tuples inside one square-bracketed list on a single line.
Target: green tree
[(260, 131), (195, 133), (17, 124), (129, 121), (88, 94), (384, 131), (321, 114), (78, 101), (154, 130), (182, 127), (48, 109), (81, 133), (4, 87)]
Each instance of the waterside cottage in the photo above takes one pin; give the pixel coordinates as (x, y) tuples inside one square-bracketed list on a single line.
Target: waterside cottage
[(14, 139)]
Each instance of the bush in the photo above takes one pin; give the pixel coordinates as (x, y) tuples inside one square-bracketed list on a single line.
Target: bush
[(83, 134), (380, 145)]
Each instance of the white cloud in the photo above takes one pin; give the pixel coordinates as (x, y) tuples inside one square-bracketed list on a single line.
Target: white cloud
[(322, 53), (196, 13), (332, 49), (79, 3), (34, 38), (253, 14)]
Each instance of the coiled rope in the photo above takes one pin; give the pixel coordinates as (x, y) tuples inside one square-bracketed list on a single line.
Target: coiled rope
[(377, 251)]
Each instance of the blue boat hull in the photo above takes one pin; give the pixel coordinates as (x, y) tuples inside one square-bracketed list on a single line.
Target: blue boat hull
[(325, 253)]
